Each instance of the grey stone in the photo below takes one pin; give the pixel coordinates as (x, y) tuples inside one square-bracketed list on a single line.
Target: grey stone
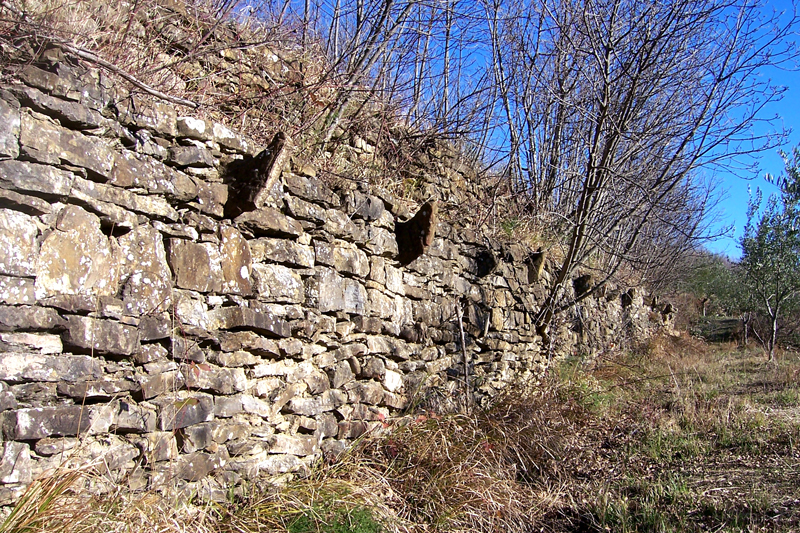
[(343, 256), (198, 465), (154, 206), (250, 342), (101, 336), (76, 258), (305, 210), (236, 262), (196, 437), (136, 170), (194, 128), (352, 429), (227, 406), (30, 177), (260, 321), (355, 297), (144, 272), (294, 445), (15, 464), (130, 417), (28, 318), (154, 327), (211, 198), (17, 367), (68, 113), (39, 422), (338, 224), (197, 266), (9, 135), (22, 202), (220, 380), (277, 283), (143, 113), (269, 221), (183, 409), (340, 374), (159, 446), (161, 383), (50, 446), (187, 349), (47, 143), (311, 189), (102, 388), (191, 156), (327, 401), (282, 251), (368, 392), (18, 244)]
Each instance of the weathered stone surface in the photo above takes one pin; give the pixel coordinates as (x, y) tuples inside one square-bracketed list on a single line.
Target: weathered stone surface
[(269, 221), (18, 245), (76, 258), (25, 203), (91, 192), (197, 266), (380, 304), (15, 464), (305, 210), (136, 170), (220, 380), (161, 383), (154, 327), (39, 422), (159, 446), (340, 374), (355, 297), (227, 406), (338, 224), (30, 177), (260, 321), (368, 392), (48, 143), (229, 139), (194, 128), (392, 381), (381, 242), (33, 342), (311, 189), (130, 417), (277, 283), (294, 445), (343, 256), (183, 409), (143, 113), (9, 134), (249, 341), (101, 336), (22, 318), (190, 156), (327, 401), (144, 273), (102, 388), (68, 113), (16, 291), (282, 251), (18, 367), (198, 465), (236, 262)]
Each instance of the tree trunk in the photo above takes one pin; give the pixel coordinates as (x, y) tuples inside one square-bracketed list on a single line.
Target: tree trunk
[(773, 337)]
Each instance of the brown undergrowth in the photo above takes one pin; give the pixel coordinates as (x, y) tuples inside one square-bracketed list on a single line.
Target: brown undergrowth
[(680, 436)]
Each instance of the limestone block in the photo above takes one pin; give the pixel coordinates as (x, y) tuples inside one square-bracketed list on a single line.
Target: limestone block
[(144, 272), (143, 113), (227, 138), (102, 388), (154, 326), (311, 189), (369, 392), (381, 242), (100, 193), (305, 210), (338, 224), (101, 336), (248, 341), (69, 113), (264, 409), (76, 258), (130, 417), (197, 266), (340, 374), (327, 401), (343, 256), (9, 134), (258, 320), (15, 464), (392, 381), (236, 262), (326, 290), (183, 409), (355, 297), (18, 245), (161, 383), (352, 429), (282, 251), (277, 283), (132, 169), (194, 128), (48, 143), (190, 308), (159, 446), (39, 422), (17, 367), (380, 304), (30, 177), (197, 465), (196, 437), (209, 377), (227, 406), (269, 221), (294, 445), (24, 317)]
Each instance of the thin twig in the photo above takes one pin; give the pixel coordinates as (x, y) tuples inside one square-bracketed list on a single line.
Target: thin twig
[(89, 56)]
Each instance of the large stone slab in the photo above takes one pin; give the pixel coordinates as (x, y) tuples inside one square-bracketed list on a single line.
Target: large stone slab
[(77, 258), (260, 321), (282, 251), (30, 177), (20, 367), (101, 336), (40, 422), (236, 262), (18, 245), (184, 409), (197, 266), (136, 170), (277, 283), (9, 133), (144, 272), (29, 318), (48, 143)]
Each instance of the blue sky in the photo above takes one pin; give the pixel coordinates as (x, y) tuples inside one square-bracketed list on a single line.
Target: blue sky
[(733, 208)]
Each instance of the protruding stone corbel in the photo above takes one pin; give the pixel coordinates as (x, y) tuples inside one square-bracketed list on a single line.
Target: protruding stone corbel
[(253, 179)]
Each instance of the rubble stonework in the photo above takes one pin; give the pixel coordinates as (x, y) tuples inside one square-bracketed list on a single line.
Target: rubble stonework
[(152, 329)]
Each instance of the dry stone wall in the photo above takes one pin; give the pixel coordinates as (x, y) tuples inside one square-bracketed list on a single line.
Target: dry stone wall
[(156, 325)]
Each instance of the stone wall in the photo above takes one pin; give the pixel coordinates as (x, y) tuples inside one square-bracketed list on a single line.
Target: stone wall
[(180, 308)]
